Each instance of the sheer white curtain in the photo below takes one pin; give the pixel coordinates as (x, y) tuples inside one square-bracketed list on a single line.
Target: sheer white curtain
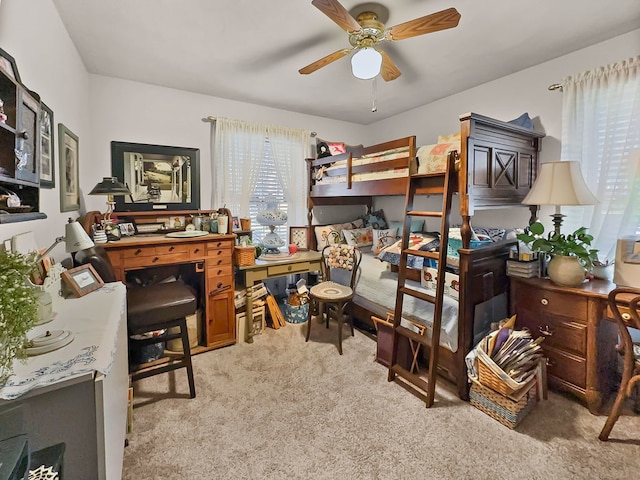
[(601, 130), (237, 150), (290, 148)]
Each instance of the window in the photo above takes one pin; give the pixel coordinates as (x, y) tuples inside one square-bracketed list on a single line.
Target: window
[(267, 185)]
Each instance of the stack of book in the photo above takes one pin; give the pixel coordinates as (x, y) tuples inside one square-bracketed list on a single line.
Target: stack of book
[(530, 269)]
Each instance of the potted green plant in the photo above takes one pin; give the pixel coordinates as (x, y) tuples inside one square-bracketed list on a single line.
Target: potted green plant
[(571, 254), (18, 308)]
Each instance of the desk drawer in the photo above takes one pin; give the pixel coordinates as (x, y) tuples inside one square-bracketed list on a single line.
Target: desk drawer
[(219, 284), (548, 302), (196, 250), (219, 260), (139, 252), (153, 260), (172, 249), (286, 269), (212, 247), (219, 270)]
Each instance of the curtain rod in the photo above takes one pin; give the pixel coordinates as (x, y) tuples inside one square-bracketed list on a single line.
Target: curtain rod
[(555, 86), (213, 119)]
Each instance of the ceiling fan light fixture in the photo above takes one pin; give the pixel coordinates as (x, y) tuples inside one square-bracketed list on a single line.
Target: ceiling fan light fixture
[(366, 63)]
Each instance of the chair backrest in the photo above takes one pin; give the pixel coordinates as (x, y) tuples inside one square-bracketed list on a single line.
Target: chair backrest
[(98, 258), (624, 303), (344, 258)]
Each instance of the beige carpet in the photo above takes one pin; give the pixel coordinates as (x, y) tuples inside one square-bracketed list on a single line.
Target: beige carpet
[(281, 408)]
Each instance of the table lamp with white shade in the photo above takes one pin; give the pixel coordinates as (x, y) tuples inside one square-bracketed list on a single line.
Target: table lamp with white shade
[(560, 183)]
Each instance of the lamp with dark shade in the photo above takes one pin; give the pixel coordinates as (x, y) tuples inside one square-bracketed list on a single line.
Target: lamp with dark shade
[(560, 183), (110, 186)]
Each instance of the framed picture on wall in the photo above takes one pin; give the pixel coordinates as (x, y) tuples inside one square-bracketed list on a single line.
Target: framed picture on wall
[(69, 179), (299, 236), (47, 151)]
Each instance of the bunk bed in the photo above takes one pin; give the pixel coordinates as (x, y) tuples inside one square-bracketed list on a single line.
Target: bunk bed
[(496, 163)]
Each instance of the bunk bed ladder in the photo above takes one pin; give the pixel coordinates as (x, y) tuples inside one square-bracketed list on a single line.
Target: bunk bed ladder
[(421, 184)]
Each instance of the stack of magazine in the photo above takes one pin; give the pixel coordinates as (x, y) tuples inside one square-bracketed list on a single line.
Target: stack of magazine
[(519, 355)]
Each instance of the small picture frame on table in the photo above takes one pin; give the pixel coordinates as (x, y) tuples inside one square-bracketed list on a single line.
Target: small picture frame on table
[(300, 236), (82, 280), (235, 221), (127, 229)]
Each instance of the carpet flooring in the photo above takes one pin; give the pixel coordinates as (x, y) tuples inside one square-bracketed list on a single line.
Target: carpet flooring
[(281, 408)]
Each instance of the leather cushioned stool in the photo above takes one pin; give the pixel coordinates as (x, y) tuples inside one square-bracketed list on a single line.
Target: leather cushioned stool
[(150, 308)]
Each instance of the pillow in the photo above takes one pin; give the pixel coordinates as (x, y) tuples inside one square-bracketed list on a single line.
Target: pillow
[(360, 237), (383, 238), (328, 235), (451, 138), (417, 226), (357, 223), (374, 219)]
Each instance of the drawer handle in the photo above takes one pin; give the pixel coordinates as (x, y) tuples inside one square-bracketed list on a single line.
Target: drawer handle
[(544, 301), (220, 289), (219, 244), (196, 250), (138, 252), (171, 249), (550, 363), (546, 331), (155, 259), (289, 268), (219, 272), (219, 261)]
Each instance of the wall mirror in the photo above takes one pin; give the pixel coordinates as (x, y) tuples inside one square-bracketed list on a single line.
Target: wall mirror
[(159, 177)]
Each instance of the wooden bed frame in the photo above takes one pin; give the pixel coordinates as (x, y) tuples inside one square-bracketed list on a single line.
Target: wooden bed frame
[(498, 163)]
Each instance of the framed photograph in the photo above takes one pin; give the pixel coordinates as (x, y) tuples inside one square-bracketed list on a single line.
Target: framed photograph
[(127, 229), (8, 66), (47, 151), (235, 222), (69, 179), (300, 236), (82, 280), (160, 177)]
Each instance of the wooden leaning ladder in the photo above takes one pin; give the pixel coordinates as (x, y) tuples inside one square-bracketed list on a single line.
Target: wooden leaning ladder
[(423, 184)]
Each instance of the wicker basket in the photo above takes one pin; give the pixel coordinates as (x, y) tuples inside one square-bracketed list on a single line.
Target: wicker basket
[(489, 378), (244, 256), (508, 412)]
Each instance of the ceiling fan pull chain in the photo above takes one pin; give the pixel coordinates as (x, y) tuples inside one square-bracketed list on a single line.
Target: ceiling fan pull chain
[(374, 91)]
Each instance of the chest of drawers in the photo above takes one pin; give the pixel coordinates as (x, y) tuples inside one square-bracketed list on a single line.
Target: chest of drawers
[(579, 341)]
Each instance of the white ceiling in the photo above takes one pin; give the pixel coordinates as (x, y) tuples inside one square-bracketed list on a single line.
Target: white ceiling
[(251, 50)]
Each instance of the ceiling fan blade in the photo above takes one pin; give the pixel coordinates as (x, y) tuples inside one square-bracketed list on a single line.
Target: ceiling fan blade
[(448, 18), (323, 62), (389, 71), (336, 12)]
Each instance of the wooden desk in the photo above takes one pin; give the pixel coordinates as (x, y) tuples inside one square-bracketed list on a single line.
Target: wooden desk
[(579, 341), (212, 255), (301, 262)]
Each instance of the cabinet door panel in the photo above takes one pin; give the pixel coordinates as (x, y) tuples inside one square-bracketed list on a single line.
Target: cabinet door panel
[(221, 322)]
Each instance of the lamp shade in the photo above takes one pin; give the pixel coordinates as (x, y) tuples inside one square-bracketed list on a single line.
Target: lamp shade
[(75, 238), (366, 63), (110, 186), (560, 183)]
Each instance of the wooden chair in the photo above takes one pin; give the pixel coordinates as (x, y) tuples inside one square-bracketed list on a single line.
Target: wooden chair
[(343, 262), (624, 303)]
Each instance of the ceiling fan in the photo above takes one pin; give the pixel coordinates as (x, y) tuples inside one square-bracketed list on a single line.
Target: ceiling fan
[(366, 33)]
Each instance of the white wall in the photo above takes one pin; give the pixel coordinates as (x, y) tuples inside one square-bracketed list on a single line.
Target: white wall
[(136, 112), (505, 99), (49, 64)]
